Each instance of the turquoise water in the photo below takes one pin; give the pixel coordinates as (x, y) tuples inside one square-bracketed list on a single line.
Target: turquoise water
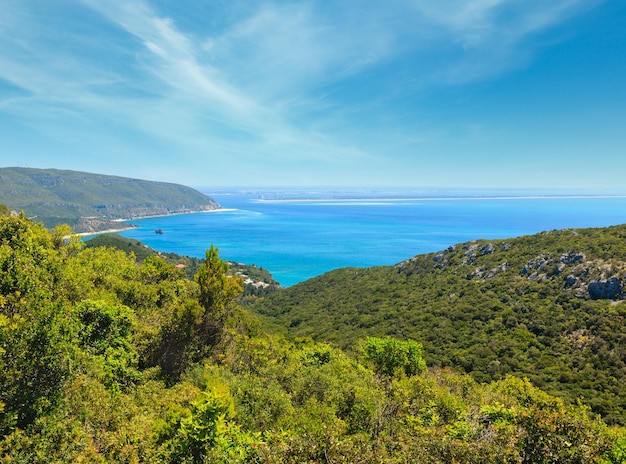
[(296, 240)]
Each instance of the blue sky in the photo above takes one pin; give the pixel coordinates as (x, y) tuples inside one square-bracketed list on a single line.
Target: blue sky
[(415, 93)]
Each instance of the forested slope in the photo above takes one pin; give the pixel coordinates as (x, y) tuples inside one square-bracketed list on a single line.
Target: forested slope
[(548, 307), (257, 281), (105, 359), (89, 202)]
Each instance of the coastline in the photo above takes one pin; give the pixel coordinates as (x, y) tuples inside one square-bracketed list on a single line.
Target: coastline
[(106, 231), (130, 226), (216, 210), (458, 198), (297, 243)]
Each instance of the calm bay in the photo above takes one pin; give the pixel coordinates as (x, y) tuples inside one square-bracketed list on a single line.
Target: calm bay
[(297, 236)]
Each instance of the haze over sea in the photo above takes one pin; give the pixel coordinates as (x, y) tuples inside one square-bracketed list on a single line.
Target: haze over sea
[(298, 235)]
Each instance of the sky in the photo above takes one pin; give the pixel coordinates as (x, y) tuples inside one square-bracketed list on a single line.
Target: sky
[(352, 93)]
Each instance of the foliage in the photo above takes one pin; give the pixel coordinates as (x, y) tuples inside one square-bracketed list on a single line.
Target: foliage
[(217, 289), (105, 359), (34, 342), (196, 326), (55, 196), (390, 355), (105, 332), (491, 308), (127, 245), (190, 265)]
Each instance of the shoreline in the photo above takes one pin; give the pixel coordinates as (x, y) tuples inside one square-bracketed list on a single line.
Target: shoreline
[(106, 231), (482, 198), (130, 227), (217, 210)]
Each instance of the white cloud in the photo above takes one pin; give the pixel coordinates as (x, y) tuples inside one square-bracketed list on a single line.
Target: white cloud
[(287, 49), (276, 81), (173, 56)]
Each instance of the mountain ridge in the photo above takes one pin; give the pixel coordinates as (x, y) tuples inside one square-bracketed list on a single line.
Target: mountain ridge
[(94, 202)]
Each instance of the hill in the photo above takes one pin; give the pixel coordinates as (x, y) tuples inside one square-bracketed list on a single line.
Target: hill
[(257, 281), (105, 359), (548, 307), (91, 202)]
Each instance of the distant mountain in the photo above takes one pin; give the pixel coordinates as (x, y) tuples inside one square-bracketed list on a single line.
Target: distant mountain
[(90, 202), (548, 307)]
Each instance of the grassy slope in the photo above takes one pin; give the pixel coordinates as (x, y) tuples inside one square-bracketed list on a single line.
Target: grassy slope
[(56, 196), (487, 307)]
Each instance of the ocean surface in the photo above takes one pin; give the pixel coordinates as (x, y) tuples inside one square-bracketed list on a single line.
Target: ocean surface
[(299, 235)]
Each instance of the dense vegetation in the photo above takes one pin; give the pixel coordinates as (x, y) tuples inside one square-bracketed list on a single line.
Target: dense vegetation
[(257, 281), (91, 201), (105, 359), (548, 307)]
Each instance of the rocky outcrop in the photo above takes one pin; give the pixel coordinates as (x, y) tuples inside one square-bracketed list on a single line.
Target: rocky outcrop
[(473, 250), (532, 266), (593, 279), (570, 281), (573, 271), (611, 289), (497, 270), (491, 273), (546, 267), (569, 259)]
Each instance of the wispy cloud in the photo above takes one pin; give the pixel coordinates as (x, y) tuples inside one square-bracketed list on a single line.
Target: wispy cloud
[(276, 80), (488, 37), (173, 58)]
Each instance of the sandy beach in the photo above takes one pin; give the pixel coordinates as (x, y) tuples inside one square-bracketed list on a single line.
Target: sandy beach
[(121, 221)]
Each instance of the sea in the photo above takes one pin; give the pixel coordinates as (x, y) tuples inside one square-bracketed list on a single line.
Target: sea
[(297, 234)]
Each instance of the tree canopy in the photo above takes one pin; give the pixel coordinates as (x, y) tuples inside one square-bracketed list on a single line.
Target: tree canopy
[(106, 359), (524, 306)]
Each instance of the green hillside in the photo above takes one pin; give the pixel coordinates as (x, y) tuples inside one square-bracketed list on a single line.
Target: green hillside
[(548, 307), (90, 202), (108, 360), (257, 281)]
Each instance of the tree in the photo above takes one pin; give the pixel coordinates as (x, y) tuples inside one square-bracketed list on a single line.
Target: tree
[(197, 325), (390, 355), (105, 332), (35, 331), (217, 290)]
